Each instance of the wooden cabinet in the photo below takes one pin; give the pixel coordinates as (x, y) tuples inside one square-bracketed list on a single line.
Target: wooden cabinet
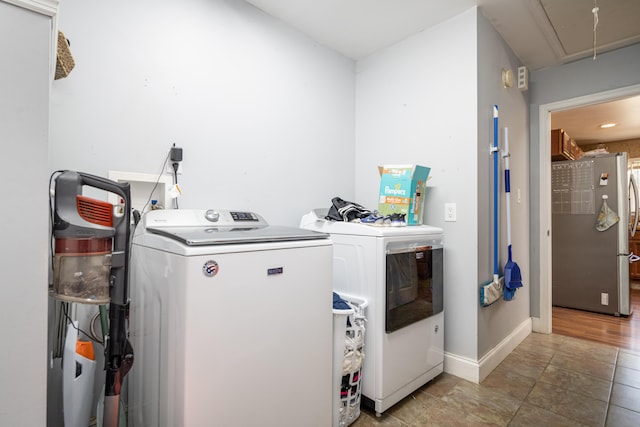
[(575, 150), (563, 147)]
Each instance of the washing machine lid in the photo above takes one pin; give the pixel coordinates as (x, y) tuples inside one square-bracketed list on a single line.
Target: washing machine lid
[(194, 227), (208, 236)]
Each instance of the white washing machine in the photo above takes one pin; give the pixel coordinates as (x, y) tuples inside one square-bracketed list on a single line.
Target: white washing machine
[(399, 271), (230, 322)]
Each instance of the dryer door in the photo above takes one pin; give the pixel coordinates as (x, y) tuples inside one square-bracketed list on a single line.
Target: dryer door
[(414, 280)]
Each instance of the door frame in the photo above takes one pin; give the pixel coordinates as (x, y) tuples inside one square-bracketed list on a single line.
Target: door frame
[(48, 8), (543, 324)]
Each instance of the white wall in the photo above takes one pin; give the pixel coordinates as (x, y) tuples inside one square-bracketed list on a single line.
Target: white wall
[(265, 116), (25, 42), (416, 103)]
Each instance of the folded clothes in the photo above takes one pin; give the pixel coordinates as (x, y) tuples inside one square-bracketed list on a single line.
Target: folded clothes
[(339, 303), (342, 210), (352, 361)]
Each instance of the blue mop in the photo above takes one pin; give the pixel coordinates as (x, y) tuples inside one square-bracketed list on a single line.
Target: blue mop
[(512, 276), (492, 291)]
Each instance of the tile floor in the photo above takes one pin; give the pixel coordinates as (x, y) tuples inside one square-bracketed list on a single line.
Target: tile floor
[(548, 380)]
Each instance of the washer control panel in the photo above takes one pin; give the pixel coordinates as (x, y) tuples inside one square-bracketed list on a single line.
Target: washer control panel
[(214, 216), (202, 218), (244, 216)]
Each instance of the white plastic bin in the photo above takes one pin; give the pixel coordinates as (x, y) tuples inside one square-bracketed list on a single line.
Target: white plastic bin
[(348, 359)]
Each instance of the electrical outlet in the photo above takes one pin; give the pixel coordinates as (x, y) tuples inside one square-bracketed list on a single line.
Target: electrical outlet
[(604, 298), (174, 157), (450, 212), (169, 168)]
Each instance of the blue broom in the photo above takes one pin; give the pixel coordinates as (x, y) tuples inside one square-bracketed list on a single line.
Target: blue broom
[(512, 276), (492, 291)]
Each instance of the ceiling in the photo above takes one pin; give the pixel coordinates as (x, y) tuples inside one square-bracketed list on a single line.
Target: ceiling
[(541, 33), (583, 123)]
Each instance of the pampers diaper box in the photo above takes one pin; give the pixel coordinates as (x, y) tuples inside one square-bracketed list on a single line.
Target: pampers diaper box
[(402, 190)]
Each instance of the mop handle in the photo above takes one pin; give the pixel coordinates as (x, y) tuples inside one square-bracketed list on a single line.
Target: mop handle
[(507, 184), (495, 190)]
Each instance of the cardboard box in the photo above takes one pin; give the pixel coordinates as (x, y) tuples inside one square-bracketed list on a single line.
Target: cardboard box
[(402, 190)]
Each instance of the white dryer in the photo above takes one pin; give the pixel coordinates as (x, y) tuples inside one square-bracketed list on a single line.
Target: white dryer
[(230, 321), (399, 271)]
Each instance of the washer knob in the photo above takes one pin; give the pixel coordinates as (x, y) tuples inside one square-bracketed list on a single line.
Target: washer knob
[(212, 215)]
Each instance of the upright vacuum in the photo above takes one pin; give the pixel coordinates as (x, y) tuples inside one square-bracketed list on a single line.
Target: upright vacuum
[(91, 266)]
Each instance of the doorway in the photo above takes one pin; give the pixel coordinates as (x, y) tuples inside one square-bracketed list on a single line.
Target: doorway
[(543, 323)]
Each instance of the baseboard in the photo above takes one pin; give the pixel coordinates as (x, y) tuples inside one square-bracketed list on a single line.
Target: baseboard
[(542, 324), (461, 367), (476, 371)]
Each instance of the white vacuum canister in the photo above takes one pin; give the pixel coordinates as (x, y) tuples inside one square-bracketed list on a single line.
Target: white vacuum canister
[(78, 372)]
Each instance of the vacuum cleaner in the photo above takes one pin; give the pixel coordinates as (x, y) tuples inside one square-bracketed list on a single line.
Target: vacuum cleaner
[(91, 266)]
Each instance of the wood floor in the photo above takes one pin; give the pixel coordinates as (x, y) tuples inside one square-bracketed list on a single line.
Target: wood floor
[(623, 332)]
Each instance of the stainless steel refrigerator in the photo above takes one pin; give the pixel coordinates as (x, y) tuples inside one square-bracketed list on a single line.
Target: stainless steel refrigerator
[(590, 250)]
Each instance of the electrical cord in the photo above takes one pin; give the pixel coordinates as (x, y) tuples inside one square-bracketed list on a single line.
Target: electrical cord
[(175, 180), (64, 308), (164, 165), (595, 25), (137, 214), (59, 331), (51, 221), (92, 329)]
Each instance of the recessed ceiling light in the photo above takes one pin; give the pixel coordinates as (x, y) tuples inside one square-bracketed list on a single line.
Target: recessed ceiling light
[(607, 125)]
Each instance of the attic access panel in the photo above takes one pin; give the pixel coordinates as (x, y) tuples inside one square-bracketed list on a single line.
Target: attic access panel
[(572, 21)]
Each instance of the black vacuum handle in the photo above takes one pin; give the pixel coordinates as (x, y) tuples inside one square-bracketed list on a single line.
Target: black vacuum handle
[(120, 188)]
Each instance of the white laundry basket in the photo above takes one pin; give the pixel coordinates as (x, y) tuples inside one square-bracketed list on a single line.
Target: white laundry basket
[(348, 359)]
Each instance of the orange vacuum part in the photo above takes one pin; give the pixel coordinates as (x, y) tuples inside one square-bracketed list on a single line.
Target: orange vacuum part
[(85, 349), (95, 211)]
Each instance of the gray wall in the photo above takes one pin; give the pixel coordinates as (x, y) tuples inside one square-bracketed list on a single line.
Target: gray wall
[(267, 118), (269, 121), (497, 321), (25, 43), (416, 105), (428, 100), (264, 115), (610, 71)]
